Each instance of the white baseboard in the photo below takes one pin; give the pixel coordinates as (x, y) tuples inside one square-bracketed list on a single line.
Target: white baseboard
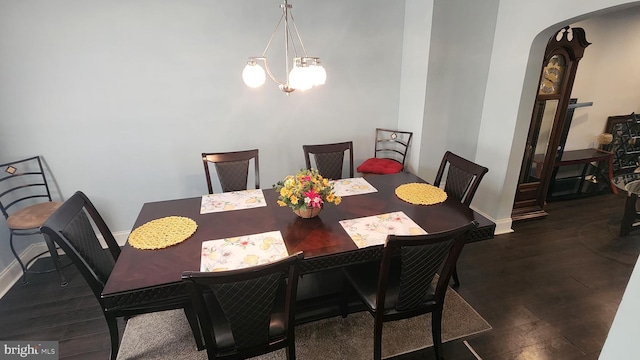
[(13, 273), (121, 237), (503, 226)]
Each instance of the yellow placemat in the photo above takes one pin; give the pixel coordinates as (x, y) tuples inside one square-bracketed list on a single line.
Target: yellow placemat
[(421, 194), (163, 232)]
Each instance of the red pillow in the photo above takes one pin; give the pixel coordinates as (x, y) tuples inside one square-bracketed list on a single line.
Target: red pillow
[(380, 166)]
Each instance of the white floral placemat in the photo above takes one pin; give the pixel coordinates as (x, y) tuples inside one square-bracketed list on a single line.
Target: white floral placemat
[(233, 200), (242, 251), (352, 186), (373, 230)]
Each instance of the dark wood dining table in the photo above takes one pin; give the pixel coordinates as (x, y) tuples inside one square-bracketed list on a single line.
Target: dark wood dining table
[(146, 275)]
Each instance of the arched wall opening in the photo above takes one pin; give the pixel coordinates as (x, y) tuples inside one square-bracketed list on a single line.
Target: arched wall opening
[(522, 32)]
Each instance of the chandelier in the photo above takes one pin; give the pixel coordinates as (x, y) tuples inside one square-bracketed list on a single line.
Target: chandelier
[(306, 71)]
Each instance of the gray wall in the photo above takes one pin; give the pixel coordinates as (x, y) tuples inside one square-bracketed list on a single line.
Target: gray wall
[(121, 97), (461, 42)]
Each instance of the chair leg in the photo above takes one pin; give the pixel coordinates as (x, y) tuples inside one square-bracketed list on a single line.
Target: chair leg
[(112, 322), (347, 291), (456, 281), (190, 313), (291, 350), (436, 326), (629, 216), (377, 340), (13, 250), (56, 260)]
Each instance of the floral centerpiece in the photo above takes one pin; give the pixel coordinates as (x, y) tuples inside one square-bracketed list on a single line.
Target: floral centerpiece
[(306, 192)]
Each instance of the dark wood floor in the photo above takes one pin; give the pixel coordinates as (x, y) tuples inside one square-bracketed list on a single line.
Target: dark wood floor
[(550, 290)]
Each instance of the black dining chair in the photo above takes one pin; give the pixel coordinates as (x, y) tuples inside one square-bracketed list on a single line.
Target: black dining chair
[(232, 169), (71, 226), (462, 180), (246, 312), (401, 285), (462, 177), (26, 203), (329, 158), (389, 153)]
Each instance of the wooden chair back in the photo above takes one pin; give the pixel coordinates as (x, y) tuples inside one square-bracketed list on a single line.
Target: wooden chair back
[(246, 312), (463, 177), (232, 169), (329, 158), (72, 228), (405, 280)]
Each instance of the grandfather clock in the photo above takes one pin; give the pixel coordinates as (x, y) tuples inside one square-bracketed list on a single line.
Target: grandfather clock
[(564, 51)]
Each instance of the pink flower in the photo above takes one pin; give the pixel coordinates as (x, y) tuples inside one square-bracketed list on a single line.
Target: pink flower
[(315, 200)]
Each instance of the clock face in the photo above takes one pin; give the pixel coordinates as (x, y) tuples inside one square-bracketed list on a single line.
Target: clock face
[(552, 75)]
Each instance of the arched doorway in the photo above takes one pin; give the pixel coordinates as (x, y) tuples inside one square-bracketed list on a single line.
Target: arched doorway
[(522, 31)]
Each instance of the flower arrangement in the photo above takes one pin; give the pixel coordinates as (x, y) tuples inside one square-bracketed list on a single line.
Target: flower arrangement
[(307, 189)]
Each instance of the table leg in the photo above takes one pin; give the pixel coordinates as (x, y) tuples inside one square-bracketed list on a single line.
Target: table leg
[(629, 216), (613, 186), (583, 175)]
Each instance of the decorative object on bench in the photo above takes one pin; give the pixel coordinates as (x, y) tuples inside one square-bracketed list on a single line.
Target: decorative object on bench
[(625, 132)]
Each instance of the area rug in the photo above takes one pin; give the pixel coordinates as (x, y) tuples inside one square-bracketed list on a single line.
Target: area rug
[(166, 335)]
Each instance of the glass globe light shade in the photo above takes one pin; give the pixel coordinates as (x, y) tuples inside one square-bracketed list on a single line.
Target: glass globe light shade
[(299, 78), (319, 74), (253, 75)]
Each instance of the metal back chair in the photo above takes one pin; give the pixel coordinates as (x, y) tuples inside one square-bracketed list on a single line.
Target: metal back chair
[(329, 158), (26, 203), (247, 312), (72, 229), (390, 152), (403, 287), (232, 169)]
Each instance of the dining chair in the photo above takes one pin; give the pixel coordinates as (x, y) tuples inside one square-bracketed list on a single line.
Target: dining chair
[(26, 203), (389, 152), (462, 177), (71, 226), (462, 180), (329, 158), (232, 169), (246, 312), (402, 284)]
